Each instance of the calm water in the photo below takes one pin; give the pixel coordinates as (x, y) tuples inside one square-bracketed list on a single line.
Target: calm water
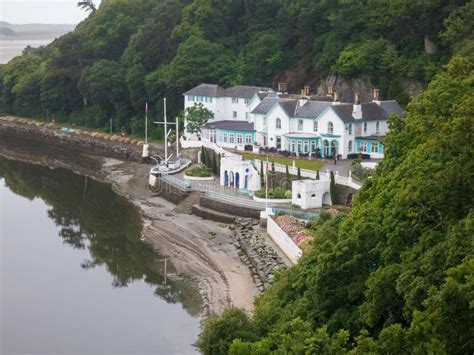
[(75, 277), (13, 46)]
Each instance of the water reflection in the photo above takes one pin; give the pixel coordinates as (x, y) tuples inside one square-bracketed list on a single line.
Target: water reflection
[(91, 217)]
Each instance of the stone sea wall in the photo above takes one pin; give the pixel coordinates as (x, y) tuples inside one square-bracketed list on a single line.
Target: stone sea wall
[(16, 131)]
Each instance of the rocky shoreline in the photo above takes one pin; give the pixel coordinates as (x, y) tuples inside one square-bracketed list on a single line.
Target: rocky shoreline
[(255, 253)]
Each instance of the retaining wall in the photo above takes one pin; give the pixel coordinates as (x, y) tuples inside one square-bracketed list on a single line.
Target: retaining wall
[(278, 235), (241, 211)]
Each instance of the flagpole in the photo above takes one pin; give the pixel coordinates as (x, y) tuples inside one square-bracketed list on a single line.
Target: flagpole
[(266, 187), (166, 131), (146, 122)]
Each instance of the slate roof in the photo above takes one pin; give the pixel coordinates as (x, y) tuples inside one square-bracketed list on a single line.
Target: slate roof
[(213, 90), (265, 106), (230, 125), (311, 109), (244, 91), (289, 106), (391, 106), (371, 111)]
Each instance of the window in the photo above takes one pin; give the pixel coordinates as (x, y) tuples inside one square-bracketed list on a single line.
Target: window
[(246, 101), (300, 125), (363, 147), (225, 137), (292, 146), (220, 137), (377, 127), (365, 127), (330, 127), (374, 147), (235, 100), (248, 139), (210, 100), (231, 138), (349, 127), (306, 147), (278, 123), (247, 115), (349, 147), (299, 146), (264, 122), (313, 146), (315, 126), (239, 138), (190, 98), (234, 115)]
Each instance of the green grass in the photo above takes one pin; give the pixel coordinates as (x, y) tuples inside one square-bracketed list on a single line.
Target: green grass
[(302, 163)]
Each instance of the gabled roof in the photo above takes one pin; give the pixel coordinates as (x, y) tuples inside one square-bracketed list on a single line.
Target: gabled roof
[(267, 103), (211, 90), (370, 112), (230, 125), (289, 106), (311, 109)]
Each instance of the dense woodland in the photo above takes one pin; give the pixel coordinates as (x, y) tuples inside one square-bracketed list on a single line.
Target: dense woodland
[(396, 275), (128, 52)]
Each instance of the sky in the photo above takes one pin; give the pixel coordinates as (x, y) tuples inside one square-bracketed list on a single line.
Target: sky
[(42, 11)]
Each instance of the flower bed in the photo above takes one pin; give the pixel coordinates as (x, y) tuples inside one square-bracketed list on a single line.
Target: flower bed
[(199, 171), (296, 230)]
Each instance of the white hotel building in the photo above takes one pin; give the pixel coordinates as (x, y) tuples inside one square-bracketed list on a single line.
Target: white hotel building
[(301, 125)]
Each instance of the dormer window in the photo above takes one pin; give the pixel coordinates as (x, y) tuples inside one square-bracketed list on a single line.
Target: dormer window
[(365, 127), (235, 100), (330, 127), (278, 123), (234, 115), (300, 125), (315, 126)]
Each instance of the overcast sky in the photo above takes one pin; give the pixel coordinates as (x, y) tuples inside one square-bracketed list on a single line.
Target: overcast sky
[(42, 11)]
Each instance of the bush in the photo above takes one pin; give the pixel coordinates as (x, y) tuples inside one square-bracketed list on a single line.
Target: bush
[(288, 194), (360, 172), (219, 332), (200, 171), (276, 193)]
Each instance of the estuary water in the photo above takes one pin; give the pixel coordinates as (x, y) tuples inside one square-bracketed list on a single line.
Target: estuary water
[(75, 278)]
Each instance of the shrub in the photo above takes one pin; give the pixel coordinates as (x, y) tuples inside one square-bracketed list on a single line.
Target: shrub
[(288, 194), (199, 171)]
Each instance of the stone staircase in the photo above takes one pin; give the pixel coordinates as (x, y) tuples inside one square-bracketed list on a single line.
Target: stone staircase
[(186, 206)]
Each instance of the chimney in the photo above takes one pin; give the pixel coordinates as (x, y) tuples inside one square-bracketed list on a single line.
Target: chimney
[(335, 100), (302, 93), (283, 87), (306, 90), (330, 91), (376, 96), (357, 108)]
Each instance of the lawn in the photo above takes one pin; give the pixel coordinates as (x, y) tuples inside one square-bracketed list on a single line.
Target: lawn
[(301, 163)]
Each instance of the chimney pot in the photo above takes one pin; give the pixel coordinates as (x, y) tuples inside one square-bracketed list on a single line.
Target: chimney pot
[(335, 98), (330, 90), (306, 90), (376, 95), (283, 87)]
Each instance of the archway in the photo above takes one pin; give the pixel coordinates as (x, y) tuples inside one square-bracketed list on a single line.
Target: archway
[(237, 180), (326, 199), (349, 199), (246, 182), (226, 178), (231, 179)]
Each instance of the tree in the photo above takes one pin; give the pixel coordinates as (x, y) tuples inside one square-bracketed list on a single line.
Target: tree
[(196, 117), (333, 189), (262, 175), (317, 175), (87, 5)]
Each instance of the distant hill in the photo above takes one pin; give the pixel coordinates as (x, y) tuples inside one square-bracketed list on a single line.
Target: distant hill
[(8, 29)]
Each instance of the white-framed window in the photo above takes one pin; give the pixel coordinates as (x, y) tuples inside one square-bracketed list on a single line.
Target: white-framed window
[(300, 125), (225, 137), (231, 138), (374, 147), (248, 139), (292, 146), (330, 127), (315, 126), (246, 101), (300, 146), (365, 127), (377, 127), (239, 138), (313, 146), (349, 147), (210, 99), (265, 121), (235, 100), (247, 115), (278, 123), (363, 146), (190, 98), (306, 147), (220, 137), (349, 127), (234, 115)]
